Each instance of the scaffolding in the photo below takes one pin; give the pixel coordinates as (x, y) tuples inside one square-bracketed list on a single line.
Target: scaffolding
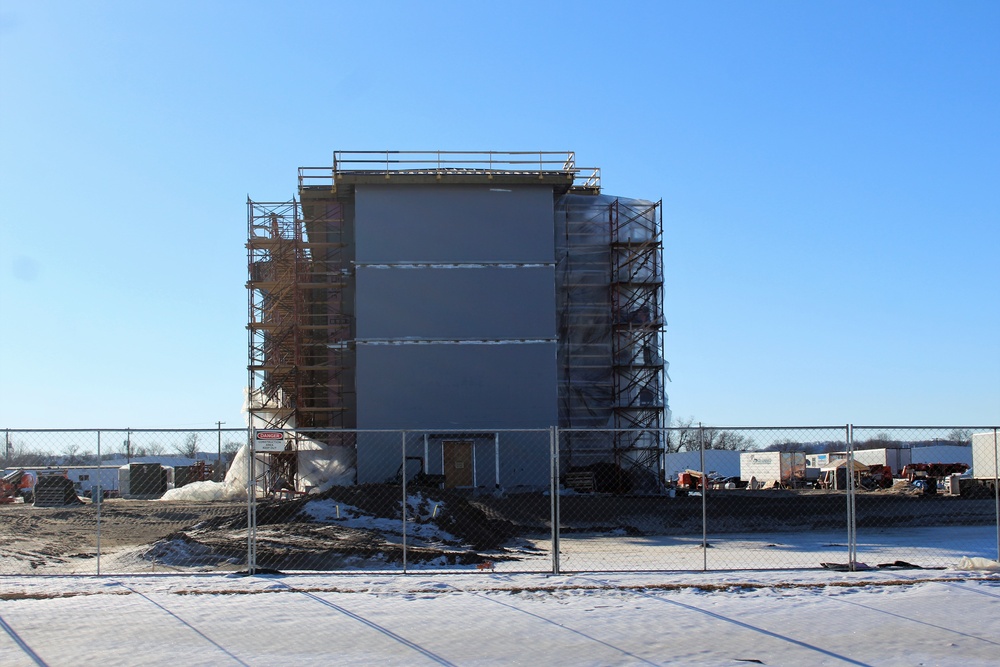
[(299, 333), (610, 312), (638, 368)]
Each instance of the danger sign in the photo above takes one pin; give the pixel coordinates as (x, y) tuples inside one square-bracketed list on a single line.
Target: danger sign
[(269, 440)]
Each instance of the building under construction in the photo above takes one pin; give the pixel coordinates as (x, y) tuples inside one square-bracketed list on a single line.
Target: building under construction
[(459, 294)]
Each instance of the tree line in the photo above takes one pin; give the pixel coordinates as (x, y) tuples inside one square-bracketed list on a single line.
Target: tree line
[(21, 455), (688, 435)]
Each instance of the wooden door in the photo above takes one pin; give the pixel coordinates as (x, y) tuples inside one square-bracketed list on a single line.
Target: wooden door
[(457, 463)]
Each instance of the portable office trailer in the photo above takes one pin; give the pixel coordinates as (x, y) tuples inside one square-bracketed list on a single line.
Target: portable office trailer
[(86, 479), (985, 453), (898, 458), (788, 468), (943, 453), (895, 457)]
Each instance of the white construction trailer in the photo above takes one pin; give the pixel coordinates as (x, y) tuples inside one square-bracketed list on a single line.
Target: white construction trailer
[(787, 468), (985, 453)]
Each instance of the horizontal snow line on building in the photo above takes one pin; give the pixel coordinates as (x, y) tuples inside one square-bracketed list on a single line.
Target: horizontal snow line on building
[(464, 265), (455, 341)]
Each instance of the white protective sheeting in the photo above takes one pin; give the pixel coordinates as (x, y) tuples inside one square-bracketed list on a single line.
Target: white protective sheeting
[(320, 467)]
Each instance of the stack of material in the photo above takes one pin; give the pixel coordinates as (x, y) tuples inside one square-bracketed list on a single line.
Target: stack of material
[(55, 491)]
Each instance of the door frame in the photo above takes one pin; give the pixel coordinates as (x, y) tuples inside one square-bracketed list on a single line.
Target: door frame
[(471, 444)]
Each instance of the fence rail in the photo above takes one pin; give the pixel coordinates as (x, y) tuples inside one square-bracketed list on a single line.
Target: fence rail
[(694, 498)]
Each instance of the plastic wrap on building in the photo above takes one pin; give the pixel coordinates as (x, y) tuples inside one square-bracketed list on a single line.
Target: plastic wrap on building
[(609, 310), (609, 313)]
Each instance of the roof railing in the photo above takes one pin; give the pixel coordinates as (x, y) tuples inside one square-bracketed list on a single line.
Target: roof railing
[(451, 162)]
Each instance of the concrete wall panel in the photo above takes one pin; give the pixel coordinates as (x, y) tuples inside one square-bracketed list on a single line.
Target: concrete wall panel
[(455, 303), (447, 223), (474, 386)]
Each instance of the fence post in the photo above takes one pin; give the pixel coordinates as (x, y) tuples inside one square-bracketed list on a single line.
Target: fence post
[(554, 494), (404, 497), (704, 498), (100, 500), (996, 487), (852, 536), (251, 507)]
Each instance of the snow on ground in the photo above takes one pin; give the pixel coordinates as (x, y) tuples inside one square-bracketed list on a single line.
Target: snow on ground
[(330, 511), (929, 546), (818, 617), (888, 616)]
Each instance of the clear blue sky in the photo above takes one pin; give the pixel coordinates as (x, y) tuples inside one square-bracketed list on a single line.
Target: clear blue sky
[(829, 173)]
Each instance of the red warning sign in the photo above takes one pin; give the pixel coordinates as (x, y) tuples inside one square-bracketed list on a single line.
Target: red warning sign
[(269, 440)]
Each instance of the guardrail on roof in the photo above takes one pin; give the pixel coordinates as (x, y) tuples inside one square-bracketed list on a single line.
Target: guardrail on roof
[(451, 162)]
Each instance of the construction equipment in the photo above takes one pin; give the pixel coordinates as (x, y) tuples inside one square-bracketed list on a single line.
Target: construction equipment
[(690, 480), (877, 476), (696, 480), (421, 478), (916, 471), (17, 484)]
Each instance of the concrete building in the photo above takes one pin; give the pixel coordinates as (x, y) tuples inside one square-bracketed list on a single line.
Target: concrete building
[(459, 295)]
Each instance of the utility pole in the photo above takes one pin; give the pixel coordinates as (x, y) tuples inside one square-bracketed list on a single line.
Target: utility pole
[(218, 461)]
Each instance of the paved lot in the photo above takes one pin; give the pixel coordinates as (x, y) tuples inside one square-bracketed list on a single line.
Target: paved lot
[(823, 618)]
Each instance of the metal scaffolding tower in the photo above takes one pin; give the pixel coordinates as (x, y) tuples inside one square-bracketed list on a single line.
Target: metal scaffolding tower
[(637, 324), (299, 335)]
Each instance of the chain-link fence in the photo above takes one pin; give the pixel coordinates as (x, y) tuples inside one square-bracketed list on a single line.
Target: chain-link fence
[(86, 502), (716, 499), (550, 500)]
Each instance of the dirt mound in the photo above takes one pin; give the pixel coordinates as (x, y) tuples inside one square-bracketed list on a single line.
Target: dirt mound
[(346, 527), (468, 521)]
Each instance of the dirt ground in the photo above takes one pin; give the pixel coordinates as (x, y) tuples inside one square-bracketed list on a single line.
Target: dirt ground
[(358, 527), (44, 537)]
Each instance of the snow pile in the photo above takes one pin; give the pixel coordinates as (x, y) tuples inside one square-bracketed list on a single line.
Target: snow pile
[(976, 563), (234, 487), (420, 522), (206, 491), (321, 466)]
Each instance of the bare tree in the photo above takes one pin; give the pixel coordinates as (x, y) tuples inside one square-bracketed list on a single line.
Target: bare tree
[(189, 448), (960, 436), (70, 453), (881, 440), (729, 440), (787, 445), (689, 436), (20, 455), (683, 437), (229, 449)]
